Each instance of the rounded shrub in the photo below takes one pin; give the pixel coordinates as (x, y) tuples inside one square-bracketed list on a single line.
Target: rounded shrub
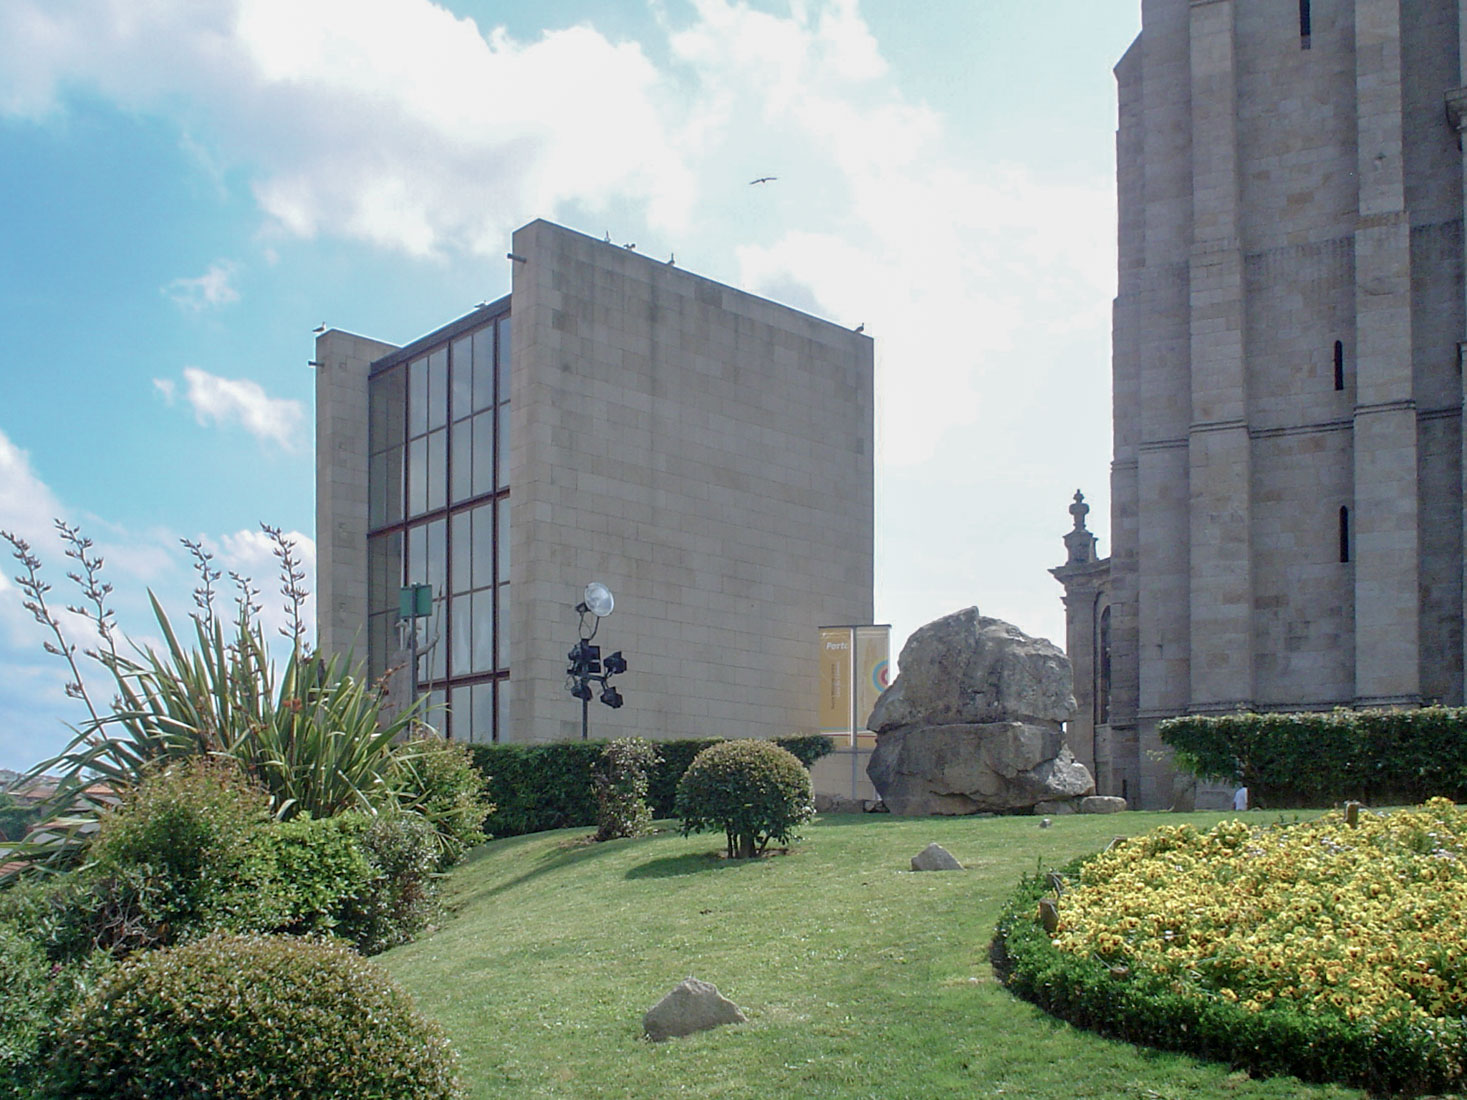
[(187, 852), (400, 898), (440, 783), (252, 1018), (754, 791)]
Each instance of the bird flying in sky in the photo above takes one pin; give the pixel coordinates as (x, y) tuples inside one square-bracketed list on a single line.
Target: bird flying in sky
[(763, 179)]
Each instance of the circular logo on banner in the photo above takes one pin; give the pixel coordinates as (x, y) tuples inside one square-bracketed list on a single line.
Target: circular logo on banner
[(881, 675)]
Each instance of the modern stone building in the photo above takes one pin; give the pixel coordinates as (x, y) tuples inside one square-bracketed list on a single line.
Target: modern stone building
[(704, 453), (1287, 505)]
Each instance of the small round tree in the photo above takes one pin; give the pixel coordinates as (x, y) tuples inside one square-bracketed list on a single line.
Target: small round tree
[(754, 791)]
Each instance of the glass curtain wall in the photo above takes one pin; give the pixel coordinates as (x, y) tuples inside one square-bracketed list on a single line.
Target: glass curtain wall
[(438, 514)]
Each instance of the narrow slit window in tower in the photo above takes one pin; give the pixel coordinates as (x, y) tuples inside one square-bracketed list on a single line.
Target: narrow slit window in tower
[(1339, 365), (1344, 533), (1304, 24)]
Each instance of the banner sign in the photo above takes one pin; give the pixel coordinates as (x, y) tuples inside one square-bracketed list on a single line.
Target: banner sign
[(873, 669), (837, 650), (854, 671)]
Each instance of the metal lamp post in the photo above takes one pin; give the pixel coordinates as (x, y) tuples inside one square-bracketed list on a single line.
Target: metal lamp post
[(586, 665)]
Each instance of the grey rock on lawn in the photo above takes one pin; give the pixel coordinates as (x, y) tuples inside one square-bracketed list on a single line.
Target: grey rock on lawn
[(1102, 804), (974, 722), (935, 857), (692, 1005)]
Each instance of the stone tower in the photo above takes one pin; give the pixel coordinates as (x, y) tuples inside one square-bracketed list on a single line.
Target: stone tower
[(1287, 507)]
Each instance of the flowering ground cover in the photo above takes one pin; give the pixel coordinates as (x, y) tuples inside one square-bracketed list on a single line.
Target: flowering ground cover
[(1321, 948)]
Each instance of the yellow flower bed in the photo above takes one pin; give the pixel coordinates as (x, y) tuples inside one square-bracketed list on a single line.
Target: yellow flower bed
[(1368, 922)]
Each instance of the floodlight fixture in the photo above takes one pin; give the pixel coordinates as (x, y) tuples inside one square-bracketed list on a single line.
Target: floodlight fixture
[(582, 691), (615, 664), (597, 600), (612, 698)]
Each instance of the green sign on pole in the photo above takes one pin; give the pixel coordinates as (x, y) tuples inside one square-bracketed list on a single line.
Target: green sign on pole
[(415, 601)]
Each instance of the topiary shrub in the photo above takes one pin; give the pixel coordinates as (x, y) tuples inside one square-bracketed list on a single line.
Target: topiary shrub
[(754, 791), (251, 1018), (441, 784), (620, 784)]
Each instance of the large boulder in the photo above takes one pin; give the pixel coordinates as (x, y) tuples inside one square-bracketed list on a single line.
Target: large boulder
[(974, 722)]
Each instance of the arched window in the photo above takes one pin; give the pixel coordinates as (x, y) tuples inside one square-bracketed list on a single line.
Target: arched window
[(1102, 671)]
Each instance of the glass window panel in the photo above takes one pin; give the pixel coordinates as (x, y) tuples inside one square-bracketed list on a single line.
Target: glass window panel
[(460, 573), (377, 490), (417, 418), (484, 368), (432, 652), (437, 469), (483, 546), (438, 388), (461, 462), (379, 638), (462, 370), (417, 476), (502, 621), (460, 718), (501, 541), (417, 555), (462, 628), (501, 710), (483, 645), (503, 363), (437, 700), (438, 555), (503, 446), (483, 707), (484, 453), (394, 485), (384, 572), (385, 397)]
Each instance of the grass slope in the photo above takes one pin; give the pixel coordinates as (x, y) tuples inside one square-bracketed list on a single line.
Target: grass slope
[(859, 977)]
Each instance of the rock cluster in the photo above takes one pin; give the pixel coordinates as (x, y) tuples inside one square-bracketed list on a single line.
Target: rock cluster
[(974, 722)]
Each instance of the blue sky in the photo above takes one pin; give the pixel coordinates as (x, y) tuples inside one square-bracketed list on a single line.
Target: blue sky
[(188, 188)]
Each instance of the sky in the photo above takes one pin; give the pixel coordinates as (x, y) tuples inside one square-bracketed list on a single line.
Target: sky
[(189, 187)]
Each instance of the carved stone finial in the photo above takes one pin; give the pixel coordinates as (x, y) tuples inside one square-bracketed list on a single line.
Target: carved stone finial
[(1080, 543), (1079, 510)]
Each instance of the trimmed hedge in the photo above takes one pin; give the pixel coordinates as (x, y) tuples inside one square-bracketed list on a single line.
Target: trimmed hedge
[(1378, 757), (1392, 1057), (550, 786)]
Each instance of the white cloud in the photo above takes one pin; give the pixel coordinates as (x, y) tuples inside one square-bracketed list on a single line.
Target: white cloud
[(207, 291), (238, 400), (394, 123)]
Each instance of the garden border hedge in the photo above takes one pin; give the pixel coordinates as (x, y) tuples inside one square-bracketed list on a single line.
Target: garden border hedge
[(535, 787), (1394, 1058), (1379, 757)]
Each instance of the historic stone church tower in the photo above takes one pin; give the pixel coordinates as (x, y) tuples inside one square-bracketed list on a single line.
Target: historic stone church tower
[(1287, 506)]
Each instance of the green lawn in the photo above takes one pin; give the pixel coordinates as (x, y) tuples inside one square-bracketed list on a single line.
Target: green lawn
[(859, 977)]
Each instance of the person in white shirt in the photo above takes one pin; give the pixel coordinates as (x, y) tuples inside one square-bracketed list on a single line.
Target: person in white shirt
[(1240, 798)]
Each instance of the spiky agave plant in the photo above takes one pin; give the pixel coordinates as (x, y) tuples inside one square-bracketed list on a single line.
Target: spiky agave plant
[(312, 736)]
